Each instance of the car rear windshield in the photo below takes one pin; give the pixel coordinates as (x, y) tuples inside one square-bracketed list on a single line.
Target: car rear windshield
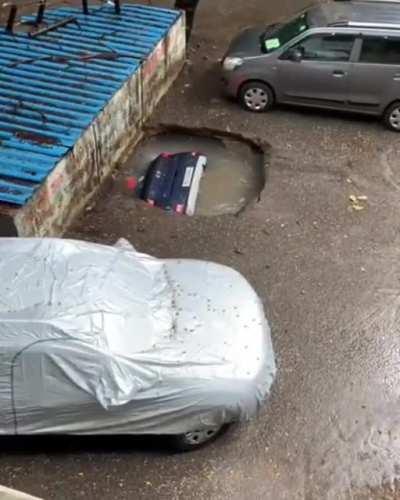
[(272, 41)]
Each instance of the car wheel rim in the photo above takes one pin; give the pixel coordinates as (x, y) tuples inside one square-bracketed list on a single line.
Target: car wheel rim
[(395, 118), (256, 99), (200, 437)]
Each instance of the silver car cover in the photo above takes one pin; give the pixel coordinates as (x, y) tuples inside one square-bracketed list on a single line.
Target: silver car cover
[(102, 339)]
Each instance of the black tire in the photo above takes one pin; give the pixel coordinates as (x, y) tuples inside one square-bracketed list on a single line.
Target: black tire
[(391, 117), (184, 443), (263, 100)]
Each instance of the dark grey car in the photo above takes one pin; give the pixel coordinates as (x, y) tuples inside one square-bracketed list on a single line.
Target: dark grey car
[(337, 55)]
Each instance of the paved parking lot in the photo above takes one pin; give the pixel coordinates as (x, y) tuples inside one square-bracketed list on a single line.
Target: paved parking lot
[(329, 276)]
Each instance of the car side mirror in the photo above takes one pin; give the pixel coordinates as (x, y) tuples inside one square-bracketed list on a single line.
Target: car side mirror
[(295, 55)]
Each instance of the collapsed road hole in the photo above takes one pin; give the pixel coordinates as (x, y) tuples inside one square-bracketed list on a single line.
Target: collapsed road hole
[(235, 171)]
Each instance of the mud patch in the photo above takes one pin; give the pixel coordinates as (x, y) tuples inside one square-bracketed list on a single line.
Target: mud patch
[(28, 136), (235, 173), (7, 226)]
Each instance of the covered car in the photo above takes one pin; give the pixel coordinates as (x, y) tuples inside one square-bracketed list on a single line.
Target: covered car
[(99, 339)]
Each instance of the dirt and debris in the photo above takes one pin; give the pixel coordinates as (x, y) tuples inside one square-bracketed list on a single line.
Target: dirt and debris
[(36, 138), (85, 57), (7, 226), (358, 202), (20, 106)]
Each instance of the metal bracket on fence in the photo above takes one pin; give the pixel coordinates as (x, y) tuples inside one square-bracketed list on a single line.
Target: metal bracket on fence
[(40, 12), (42, 4), (11, 18), (85, 7)]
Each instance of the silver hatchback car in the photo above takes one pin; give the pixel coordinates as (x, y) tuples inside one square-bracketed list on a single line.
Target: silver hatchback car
[(337, 55)]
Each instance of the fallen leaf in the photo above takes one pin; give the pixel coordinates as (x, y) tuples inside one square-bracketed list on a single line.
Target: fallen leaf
[(356, 200)]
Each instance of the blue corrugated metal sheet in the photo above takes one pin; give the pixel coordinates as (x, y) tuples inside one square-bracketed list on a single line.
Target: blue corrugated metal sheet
[(49, 93)]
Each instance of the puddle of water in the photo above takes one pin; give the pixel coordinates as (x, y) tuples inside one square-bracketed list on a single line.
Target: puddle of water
[(234, 175)]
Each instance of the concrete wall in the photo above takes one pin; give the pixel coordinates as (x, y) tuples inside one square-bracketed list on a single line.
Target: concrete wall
[(77, 177)]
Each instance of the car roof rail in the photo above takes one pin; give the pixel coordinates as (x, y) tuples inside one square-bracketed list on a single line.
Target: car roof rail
[(353, 24), (339, 24)]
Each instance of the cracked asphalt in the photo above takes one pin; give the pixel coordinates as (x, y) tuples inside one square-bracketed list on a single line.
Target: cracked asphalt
[(329, 277)]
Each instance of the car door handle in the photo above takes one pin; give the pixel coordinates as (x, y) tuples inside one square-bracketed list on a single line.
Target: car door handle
[(339, 73), (396, 77)]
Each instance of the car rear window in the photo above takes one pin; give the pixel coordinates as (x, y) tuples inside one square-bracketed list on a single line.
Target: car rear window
[(378, 50)]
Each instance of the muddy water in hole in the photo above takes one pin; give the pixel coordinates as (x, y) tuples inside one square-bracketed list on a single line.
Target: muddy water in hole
[(234, 175)]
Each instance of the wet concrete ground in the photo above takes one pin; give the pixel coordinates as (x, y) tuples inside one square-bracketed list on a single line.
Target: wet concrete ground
[(329, 277)]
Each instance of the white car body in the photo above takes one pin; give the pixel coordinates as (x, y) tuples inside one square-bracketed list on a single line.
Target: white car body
[(99, 339)]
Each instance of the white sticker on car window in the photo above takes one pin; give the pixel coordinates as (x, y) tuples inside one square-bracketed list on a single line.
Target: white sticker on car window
[(272, 43)]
